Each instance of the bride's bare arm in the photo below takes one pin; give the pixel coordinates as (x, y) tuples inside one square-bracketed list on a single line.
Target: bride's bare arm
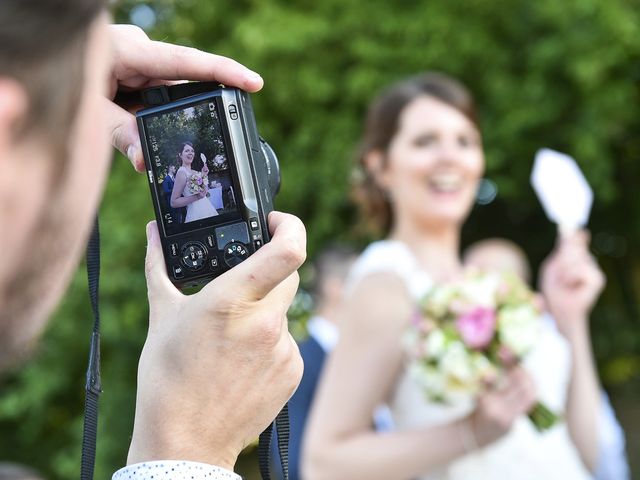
[(340, 442), (176, 200), (571, 283), (360, 375)]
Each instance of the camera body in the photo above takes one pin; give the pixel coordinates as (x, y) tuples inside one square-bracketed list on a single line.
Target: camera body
[(212, 178)]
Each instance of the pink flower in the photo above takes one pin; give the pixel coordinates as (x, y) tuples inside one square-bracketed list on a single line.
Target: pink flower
[(421, 323), (416, 318), (477, 327)]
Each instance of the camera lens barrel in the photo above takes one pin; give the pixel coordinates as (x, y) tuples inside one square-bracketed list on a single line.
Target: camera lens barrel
[(273, 166)]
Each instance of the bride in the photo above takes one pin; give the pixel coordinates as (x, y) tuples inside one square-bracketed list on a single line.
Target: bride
[(190, 187), (420, 164)]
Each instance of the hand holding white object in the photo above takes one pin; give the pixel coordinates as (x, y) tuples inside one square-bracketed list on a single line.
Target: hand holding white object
[(562, 190)]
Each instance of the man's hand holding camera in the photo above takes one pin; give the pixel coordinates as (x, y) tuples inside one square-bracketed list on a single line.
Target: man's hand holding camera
[(217, 366)]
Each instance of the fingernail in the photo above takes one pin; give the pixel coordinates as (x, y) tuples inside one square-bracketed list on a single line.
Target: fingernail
[(131, 152), (150, 236), (253, 77)]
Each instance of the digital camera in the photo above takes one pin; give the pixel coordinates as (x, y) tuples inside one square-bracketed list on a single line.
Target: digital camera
[(212, 177)]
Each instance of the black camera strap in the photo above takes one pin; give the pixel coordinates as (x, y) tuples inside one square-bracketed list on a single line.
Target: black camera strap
[(264, 445), (93, 387)]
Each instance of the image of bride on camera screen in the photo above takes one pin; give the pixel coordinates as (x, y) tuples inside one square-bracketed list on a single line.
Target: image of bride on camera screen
[(191, 165)]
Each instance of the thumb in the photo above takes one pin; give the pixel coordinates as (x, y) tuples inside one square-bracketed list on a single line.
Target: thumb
[(124, 134), (158, 283)]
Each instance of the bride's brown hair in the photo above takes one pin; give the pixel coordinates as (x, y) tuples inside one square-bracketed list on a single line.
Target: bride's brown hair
[(381, 125), (181, 149)]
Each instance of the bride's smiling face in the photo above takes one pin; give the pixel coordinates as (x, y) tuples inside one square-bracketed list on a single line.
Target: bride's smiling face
[(187, 155), (433, 164)]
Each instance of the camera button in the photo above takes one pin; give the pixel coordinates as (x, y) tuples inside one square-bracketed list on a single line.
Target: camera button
[(253, 223), (194, 254), (177, 271), (174, 249), (233, 112), (235, 253), (214, 262), (210, 241), (257, 244)]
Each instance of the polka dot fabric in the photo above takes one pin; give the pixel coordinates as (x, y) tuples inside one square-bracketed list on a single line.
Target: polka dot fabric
[(174, 470)]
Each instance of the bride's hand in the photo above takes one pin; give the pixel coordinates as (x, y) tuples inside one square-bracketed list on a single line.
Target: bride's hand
[(498, 408), (205, 169), (571, 282)]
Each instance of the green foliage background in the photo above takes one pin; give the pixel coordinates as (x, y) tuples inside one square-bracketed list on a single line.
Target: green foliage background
[(170, 131), (560, 74)]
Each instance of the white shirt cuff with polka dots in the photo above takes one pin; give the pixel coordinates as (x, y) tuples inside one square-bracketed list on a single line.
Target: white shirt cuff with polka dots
[(174, 470)]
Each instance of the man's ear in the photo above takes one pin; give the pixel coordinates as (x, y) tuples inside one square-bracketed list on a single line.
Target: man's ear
[(16, 212), (13, 108), (374, 163)]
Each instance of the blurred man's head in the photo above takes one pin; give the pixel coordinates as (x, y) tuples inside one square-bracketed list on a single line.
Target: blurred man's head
[(54, 153), (331, 267), (498, 255)]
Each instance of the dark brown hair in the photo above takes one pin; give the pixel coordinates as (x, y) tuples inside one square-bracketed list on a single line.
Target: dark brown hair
[(42, 46), (381, 125), (181, 149)]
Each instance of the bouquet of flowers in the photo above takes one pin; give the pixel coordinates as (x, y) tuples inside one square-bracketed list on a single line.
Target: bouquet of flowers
[(468, 332), (197, 184)]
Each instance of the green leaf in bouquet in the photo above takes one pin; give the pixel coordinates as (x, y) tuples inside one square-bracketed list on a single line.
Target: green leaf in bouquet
[(542, 417)]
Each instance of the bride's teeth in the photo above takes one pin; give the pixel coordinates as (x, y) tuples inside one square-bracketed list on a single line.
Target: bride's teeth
[(446, 182)]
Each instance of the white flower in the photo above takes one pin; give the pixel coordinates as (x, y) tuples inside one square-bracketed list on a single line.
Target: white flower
[(481, 291), (519, 328), (484, 369), (439, 299), (456, 363), (430, 378), (435, 344)]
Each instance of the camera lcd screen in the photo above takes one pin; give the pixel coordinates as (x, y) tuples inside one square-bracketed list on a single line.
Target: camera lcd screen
[(192, 171)]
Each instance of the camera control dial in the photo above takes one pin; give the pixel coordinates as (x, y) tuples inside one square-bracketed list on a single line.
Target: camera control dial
[(194, 255), (234, 253)]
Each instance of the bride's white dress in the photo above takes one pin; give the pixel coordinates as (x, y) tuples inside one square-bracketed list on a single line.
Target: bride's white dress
[(522, 454), (199, 209)]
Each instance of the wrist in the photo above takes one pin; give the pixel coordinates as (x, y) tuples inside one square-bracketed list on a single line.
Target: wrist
[(468, 437), (149, 448), (574, 328)]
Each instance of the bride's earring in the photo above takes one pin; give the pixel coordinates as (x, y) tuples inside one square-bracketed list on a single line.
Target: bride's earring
[(487, 191)]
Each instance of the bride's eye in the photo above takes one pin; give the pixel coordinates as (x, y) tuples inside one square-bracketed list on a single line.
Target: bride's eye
[(424, 140), (467, 141)]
